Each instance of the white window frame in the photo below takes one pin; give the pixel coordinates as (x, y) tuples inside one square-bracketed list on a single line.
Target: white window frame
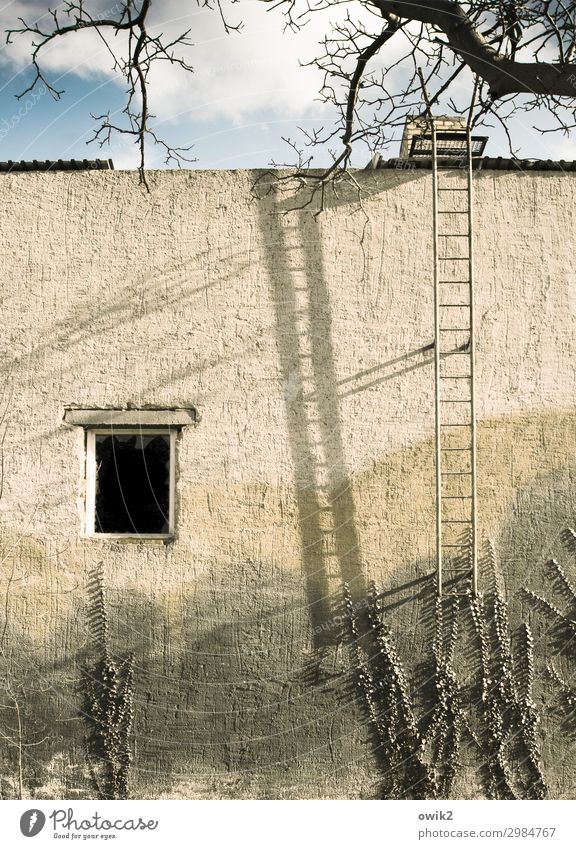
[(90, 514)]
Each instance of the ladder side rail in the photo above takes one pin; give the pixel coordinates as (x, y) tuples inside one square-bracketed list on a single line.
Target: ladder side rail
[(474, 533), (437, 411)]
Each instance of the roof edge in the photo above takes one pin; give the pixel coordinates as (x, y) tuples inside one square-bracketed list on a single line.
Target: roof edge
[(482, 163), (11, 166)]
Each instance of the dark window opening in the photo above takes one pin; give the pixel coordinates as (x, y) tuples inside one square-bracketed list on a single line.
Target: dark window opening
[(132, 484)]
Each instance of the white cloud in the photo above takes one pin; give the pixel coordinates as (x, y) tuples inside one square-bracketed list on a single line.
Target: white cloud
[(82, 53), (237, 75), (260, 69), (561, 148), (240, 79)]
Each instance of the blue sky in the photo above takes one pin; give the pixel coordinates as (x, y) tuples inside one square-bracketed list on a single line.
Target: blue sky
[(38, 127), (248, 91)]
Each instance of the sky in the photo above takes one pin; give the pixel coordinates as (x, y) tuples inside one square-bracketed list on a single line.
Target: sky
[(247, 92)]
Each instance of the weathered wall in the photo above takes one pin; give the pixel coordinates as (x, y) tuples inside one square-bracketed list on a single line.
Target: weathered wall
[(300, 342)]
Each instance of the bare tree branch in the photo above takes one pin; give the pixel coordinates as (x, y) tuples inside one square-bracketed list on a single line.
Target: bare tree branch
[(503, 74), (481, 59), (143, 49)]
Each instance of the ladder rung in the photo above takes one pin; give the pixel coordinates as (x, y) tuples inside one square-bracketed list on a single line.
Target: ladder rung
[(456, 545), (452, 211), (467, 448), (452, 236), (455, 522), (455, 400), (450, 329), (454, 497), (461, 424), (453, 305), (446, 189), (453, 474), (455, 282), (455, 377), (454, 258)]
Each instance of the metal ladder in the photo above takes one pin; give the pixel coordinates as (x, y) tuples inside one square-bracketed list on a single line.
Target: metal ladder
[(454, 362)]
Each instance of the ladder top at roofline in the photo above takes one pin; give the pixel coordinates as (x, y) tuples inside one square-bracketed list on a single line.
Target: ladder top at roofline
[(449, 144), (451, 132)]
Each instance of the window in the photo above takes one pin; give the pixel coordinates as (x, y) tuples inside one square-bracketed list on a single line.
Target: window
[(130, 482), (130, 469)]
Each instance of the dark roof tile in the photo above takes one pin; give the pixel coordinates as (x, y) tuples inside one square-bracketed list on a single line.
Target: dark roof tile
[(484, 163), (57, 165)]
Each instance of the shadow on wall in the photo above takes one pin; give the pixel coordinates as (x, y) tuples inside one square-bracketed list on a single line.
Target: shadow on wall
[(396, 513), (141, 297), (527, 496), (225, 702), (330, 545)]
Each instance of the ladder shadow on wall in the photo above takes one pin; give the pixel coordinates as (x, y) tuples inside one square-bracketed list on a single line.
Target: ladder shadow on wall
[(381, 373), (331, 555)]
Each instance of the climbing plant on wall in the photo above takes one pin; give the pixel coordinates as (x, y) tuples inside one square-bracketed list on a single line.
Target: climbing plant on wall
[(511, 757), (444, 733), (559, 616), (496, 712), (108, 690)]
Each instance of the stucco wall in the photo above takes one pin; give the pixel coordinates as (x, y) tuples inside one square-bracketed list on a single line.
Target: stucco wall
[(299, 341)]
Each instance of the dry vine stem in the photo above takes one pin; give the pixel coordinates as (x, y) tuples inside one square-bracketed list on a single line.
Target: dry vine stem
[(108, 709), (381, 680), (563, 620)]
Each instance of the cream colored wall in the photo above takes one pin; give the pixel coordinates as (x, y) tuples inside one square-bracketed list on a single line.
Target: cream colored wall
[(299, 341)]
